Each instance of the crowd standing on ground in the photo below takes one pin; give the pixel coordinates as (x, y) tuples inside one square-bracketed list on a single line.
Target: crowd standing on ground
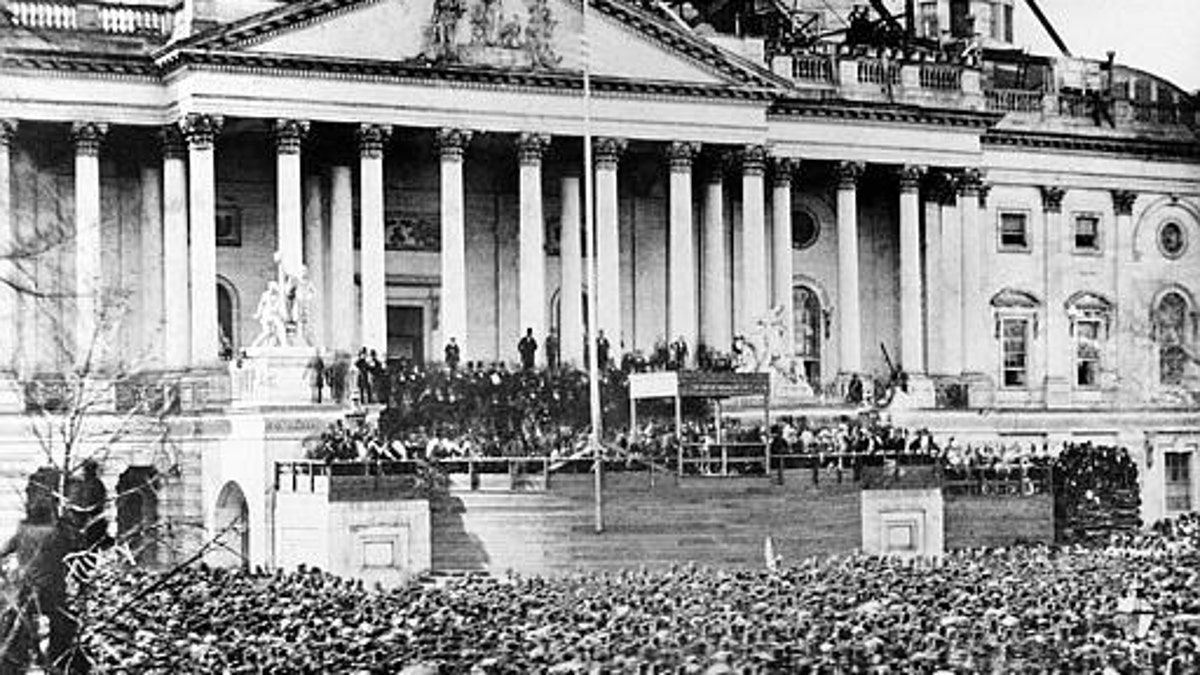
[(1130, 605)]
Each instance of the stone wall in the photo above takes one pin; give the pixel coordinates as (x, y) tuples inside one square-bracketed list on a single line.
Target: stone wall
[(976, 521)]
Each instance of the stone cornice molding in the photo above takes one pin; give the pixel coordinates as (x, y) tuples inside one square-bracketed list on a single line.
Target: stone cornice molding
[(1140, 147), (88, 137), (1123, 202), (910, 176), (782, 170), (451, 143), (754, 159), (201, 130), (783, 109), (607, 152), (681, 154), (532, 147), (371, 138), (1052, 198), (173, 144), (8, 132), (289, 135), (848, 174)]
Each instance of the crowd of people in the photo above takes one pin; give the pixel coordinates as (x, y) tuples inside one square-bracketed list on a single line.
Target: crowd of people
[(1131, 605)]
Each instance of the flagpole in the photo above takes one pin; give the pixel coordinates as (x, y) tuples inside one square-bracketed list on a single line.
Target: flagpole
[(593, 286)]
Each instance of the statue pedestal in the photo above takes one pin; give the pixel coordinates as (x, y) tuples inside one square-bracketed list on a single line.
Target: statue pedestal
[(273, 376), (785, 391)]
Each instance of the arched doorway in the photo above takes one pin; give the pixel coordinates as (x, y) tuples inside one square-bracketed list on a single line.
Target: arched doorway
[(809, 329), (232, 528), (137, 512)]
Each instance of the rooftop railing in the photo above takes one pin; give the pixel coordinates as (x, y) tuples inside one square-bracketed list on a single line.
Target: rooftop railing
[(116, 19)]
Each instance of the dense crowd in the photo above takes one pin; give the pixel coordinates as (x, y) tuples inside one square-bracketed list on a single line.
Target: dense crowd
[(1132, 605)]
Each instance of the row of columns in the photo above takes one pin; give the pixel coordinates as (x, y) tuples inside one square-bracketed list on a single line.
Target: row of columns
[(187, 245)]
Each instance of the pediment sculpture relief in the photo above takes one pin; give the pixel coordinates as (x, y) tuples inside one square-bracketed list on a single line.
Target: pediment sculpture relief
[(492, 37)]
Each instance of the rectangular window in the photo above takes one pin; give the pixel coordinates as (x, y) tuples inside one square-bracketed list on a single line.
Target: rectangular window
[(1008, 23), (962, 24), (1179, 481), (1087, 233), (1014, 232), (1014, 346), (1087, 353), (929, 20)]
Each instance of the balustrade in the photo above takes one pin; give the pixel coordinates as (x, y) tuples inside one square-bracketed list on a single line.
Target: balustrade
[(812, 68), (1014, 100), (106, 18), (878, 71), (940, 76)]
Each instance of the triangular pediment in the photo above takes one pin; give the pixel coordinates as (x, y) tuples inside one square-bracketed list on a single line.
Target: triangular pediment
[(626, 42)]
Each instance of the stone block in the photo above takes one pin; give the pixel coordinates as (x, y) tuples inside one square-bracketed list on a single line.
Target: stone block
[(908, 523)]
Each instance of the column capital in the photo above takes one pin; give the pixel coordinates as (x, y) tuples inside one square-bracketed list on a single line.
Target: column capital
[(969, 182), (174, 146), (1123, 202), (371, 139), (943, 187), (289, 135), (910, 176), (680, 154), (1052, 198), (201, 130), (452, 143), (87, 137), (848, 174), (531, 147), (8, 131), (754, 159), (608, 151), (782, 169), (716, 163)]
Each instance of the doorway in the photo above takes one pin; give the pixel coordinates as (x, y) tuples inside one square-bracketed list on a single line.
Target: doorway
[(406, 333)]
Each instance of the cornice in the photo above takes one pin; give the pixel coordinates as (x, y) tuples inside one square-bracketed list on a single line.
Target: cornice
[(1140, 147), (417, 71), (105, 66), (786, 108)]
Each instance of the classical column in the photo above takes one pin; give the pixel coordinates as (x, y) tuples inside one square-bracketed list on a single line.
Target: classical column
[(715, 329), (452, 144), (531, 269), (571, 255), (849, 315), (973, 307), (912, 338), (781, 245), (177, 323), (342, 314), (314, 257), (950, 273), (372, 265), (607, 153), (1123, 201), (150, 314), (755, 275), (201, 132), (89, 279), (8, 297), (1058, 358), (681, 289), (932, 280), (289, 134)]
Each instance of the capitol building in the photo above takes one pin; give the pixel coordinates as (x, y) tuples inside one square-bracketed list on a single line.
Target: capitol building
[(1017, 233)]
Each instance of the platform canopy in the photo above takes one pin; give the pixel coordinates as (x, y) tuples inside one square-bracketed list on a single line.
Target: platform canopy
[(697, 384)]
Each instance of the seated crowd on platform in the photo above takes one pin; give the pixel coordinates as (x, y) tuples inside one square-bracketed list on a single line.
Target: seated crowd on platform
[(1129, 605)]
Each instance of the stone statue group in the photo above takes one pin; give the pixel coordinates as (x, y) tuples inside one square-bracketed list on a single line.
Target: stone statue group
[(767, 349), (283, 309)]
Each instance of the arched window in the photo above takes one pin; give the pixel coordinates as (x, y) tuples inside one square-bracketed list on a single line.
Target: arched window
[(1171, 333), (809, 328)]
